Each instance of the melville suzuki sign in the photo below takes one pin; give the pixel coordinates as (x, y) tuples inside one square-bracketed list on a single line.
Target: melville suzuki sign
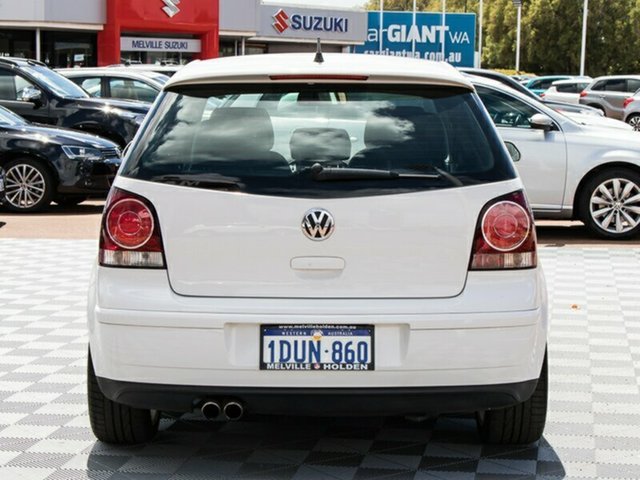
[(400, 37), (293, 22), (145, 44)]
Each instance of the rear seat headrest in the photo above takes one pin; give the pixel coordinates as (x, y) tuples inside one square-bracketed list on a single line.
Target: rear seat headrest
[(322, 144), (238, 130)]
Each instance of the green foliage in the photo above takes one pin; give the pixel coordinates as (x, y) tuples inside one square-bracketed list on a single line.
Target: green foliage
[(551, 33)]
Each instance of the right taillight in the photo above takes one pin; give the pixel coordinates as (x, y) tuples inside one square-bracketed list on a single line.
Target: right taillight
[(505, 237), (626, 103), (130, 234)]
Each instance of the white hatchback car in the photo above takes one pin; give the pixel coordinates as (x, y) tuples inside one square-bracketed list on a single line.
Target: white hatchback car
[(345, 236), (566, 90)]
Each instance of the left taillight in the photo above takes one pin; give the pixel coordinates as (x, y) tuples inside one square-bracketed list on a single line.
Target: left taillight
[(130, 234), (505, 235), (627, 101)]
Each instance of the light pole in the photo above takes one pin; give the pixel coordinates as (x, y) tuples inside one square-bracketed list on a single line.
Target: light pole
[(480, 38), (444, 25), (518, 5), (413, 25), (381, 29), (583, 52)]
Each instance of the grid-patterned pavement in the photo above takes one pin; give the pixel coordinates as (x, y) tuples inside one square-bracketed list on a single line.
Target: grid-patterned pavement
[(593, 428)]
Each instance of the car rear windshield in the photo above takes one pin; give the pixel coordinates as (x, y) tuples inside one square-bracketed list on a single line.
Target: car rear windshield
[(319, 141)]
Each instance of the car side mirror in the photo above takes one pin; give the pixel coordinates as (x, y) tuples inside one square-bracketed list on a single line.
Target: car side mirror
[(513, 151), (32, 95), (542, 122)]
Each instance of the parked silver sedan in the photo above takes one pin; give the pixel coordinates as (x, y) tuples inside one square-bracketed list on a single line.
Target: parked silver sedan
[(570, 170)]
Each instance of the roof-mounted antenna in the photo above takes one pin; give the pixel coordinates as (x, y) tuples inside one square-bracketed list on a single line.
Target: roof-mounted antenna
[(319, 58)]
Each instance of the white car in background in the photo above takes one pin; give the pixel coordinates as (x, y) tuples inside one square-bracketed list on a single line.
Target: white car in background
[(122, 83), (570, 170), (631, 113), (266, 258), (567, 91)]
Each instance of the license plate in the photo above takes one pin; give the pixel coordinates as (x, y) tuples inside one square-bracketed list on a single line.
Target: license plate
[(316, 347)]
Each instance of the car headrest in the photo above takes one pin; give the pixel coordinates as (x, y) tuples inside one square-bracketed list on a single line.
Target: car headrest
[(409, 129), (238, 130), (322, 144)]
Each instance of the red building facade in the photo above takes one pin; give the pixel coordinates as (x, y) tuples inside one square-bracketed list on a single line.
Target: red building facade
[(148, 31)]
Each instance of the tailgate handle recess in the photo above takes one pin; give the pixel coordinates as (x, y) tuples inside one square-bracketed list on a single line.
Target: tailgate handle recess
[(318, 263)]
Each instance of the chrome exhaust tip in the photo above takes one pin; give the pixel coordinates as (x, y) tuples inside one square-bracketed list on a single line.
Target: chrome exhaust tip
[(210, 410), (233, 411)]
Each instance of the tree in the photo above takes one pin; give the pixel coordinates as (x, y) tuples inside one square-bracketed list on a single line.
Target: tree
[(425, 5), (499, 50)]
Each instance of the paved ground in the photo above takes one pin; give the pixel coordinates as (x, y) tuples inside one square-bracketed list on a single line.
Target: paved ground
[(82, 221), (593, 428)]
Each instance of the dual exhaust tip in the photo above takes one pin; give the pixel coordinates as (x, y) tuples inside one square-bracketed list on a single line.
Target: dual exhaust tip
[(231, 410)]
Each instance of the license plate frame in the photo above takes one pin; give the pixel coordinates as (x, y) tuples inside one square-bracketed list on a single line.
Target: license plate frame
[(360, 333)]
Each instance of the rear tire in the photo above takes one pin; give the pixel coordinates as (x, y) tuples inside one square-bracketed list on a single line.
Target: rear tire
[(115, 423), (521, 424)]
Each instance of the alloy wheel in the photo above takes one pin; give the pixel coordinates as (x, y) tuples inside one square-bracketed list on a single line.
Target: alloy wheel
[(25, 186), (634, 121), (615, 205)]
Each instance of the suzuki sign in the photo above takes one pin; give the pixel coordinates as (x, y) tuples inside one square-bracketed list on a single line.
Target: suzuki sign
[(171, 8), (145, 44), (293, 22), (309, 23), (400, 37)]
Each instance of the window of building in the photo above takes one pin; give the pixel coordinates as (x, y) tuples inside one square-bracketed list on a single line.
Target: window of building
[(17, 43), (69, 49)]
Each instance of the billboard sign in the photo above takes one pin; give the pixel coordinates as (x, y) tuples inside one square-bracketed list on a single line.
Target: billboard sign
[(289, 22), (400, 37)]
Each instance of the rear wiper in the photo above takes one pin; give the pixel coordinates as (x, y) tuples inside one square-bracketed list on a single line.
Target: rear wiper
[(211, 181), (453, 179), (323, 174)]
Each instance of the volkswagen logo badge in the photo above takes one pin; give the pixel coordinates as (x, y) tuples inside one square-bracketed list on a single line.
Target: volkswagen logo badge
[(318, 224)]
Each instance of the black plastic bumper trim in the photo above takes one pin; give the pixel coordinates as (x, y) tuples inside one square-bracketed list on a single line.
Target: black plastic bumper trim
[(322, 401)]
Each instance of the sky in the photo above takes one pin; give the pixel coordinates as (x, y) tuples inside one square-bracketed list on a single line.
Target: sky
[(323, 3)]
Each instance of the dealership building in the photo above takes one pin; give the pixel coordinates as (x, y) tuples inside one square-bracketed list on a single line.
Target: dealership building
[(68, 33)]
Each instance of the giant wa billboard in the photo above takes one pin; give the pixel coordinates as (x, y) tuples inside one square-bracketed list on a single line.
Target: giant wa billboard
[(400, 37)]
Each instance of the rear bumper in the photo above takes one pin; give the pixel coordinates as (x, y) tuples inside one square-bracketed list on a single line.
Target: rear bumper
[(148, 344), (322, 401)]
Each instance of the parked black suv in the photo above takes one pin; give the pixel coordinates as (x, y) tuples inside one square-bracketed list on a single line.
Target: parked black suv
[(46, 163), (41, 95)]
